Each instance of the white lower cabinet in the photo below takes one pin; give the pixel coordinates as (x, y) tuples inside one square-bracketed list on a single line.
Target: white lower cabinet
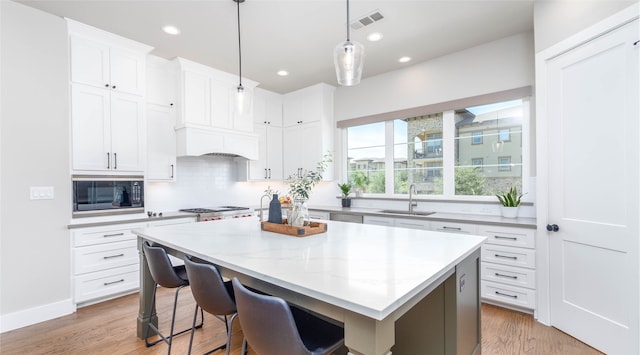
[(380, 221), (105, 260), (508, 268), (412, 223)]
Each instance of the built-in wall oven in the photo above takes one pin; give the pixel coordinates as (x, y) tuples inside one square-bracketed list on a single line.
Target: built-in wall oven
[(104, 195)]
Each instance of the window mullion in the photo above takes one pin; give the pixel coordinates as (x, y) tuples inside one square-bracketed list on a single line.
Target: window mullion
[(448, 154), (389, 157)]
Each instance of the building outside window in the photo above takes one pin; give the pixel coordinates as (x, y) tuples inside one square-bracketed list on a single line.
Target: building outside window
[(504, 163), (476, 138)]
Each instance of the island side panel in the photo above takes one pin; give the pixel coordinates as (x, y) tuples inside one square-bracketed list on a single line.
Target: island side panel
[(462, 302)]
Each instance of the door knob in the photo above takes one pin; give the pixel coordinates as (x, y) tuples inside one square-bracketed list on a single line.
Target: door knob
[(553, 227)]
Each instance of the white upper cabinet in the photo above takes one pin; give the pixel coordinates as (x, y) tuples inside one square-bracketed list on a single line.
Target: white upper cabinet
[(308, 129), (161, 82), (267, 108), (105, 60), (107, 130), (107, 78), (206, 98), (161, 143)]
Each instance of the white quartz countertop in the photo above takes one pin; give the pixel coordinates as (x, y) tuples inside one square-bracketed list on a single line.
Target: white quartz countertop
[(368, 269)]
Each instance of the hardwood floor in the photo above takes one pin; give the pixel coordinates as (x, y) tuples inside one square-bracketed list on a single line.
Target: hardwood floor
[(110, 328)]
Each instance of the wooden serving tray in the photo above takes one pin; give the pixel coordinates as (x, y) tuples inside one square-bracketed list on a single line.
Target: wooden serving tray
[(314, 228)]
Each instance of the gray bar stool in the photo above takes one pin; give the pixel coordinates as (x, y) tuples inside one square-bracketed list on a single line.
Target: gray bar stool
[(169, 276), (274, 328), (213, 295)]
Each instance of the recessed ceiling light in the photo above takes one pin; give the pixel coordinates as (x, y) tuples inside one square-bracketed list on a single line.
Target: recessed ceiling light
[(404, 59), (172, 30), (283, 73), (374, 37)]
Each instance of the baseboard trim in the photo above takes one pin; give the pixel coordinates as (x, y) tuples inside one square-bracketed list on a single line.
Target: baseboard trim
[(35, 315)]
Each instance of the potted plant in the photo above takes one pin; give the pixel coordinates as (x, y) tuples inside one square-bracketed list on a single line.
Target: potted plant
[(510, 202), (360, 181), (346, 190)]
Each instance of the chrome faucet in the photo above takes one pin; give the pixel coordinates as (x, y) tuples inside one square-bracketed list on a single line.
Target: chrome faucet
[(261, 211), (412, 190)]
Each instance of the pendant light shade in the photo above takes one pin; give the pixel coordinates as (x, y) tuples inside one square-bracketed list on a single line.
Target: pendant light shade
[(348, 58), (242, 101)]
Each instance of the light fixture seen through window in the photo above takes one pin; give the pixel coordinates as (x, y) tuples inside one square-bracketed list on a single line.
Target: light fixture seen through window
[(349, 59), (242, 97)]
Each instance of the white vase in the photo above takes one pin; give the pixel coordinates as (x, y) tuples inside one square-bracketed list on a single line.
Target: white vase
[(299, 214), (509, 212)]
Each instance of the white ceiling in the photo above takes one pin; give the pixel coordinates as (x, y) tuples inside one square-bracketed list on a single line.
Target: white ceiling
[(299, 35)]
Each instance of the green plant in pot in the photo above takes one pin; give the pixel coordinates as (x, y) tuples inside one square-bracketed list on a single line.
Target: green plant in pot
[(346, 190), (510, 202), (360, 181)]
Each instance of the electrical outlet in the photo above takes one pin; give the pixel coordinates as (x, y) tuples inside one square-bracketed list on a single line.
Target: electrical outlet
[(41, 193)]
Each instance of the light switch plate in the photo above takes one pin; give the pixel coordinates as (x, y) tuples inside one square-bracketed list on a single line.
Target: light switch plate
[(41, 193)]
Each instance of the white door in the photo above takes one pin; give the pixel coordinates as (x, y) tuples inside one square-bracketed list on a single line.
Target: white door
[(593, 190)]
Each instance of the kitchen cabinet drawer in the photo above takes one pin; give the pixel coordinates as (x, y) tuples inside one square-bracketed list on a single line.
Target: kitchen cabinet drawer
[(100, 235), (508, 256), (412, 223), (452, 227), (380, 221), (105, 256), (319, 215), (106, 283), (514, 237), (508, 275), (516, 296)]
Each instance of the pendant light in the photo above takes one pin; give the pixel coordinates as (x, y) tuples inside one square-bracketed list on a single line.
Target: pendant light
[(241, 99), (348, 58)]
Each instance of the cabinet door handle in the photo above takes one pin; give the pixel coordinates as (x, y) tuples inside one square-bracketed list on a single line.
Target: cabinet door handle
[(112, 235), (113, 87), (172, 171), (507, 276), (106, 85), (506, 257), (506, 294), (503, 237), (115, 161), (452, 228), (265, 173), (113, 282), (108, 161), (269, 173), (112, 256)]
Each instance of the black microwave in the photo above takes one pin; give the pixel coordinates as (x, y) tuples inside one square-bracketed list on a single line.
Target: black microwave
[(105, 195)]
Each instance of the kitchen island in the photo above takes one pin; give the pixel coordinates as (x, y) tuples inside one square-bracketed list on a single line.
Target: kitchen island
[(393, 289)]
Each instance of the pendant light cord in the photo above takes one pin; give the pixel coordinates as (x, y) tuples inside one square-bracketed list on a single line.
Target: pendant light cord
[(348, 36), (239, 46)]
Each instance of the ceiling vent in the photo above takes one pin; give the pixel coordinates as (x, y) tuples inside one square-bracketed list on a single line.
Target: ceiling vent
[(363, 21)]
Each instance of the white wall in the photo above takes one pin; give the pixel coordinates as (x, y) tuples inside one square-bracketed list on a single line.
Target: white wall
[(504, 64), (34, 239), (557, 20)]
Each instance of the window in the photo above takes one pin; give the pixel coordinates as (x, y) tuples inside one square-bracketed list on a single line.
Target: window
[(477, 163), (501, 126), (417, 156), (504, 163), (504, 134), (476, 138), (365, 156), (442, 153)]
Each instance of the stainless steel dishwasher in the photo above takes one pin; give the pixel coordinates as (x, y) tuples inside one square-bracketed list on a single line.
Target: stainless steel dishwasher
[(345, 217)]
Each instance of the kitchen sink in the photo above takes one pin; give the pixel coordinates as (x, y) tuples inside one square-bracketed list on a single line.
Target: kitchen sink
[(403, 212)]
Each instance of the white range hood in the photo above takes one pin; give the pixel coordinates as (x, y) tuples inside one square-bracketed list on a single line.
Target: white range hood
[(196, 141)]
